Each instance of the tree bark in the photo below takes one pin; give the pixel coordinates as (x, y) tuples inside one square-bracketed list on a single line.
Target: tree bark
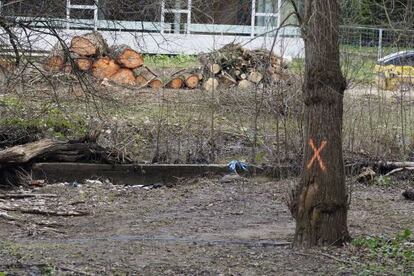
[(319, 203)]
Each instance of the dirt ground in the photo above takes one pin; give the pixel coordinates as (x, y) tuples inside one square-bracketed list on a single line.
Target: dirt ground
[(194, 227)]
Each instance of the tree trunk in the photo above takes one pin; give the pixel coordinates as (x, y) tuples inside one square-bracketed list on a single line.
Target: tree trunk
[(319, 202), (126, 56)]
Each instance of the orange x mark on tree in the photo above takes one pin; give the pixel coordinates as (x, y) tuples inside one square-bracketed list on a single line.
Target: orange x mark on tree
[(316, 155)]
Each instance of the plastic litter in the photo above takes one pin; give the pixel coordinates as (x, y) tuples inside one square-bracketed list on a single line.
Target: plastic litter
[(236, 165)]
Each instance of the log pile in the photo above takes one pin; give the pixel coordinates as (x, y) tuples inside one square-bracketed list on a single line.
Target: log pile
[(234, 65), (119, 64)]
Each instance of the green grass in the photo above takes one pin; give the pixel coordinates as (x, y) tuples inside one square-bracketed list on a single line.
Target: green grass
[(382, 255), (171, 61)]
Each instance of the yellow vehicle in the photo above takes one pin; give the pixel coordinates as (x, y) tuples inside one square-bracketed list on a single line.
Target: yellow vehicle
[(396, 71)]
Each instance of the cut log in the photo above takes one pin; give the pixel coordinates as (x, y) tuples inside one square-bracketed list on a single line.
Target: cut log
[(245, 85), (211, 84), (141, 80), (104, 67), (255, 77), (175, 83), (54, 64), (226, 80), (90, 44), (126, 56), (155, 84), (215, 68), (83, 63), (56, 60), (123, 76), (191, 80)]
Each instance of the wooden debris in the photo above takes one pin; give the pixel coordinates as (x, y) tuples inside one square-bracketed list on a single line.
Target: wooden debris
[(56, 60), (25, 195), (235, 62), (367, 175), (89, 44), (215, 68), (54, 151), (211, 85), (394, 171), (42, 212), (126, 56), (83, 63), (175, 83), (123, 76), (104, 67), (255, 77), (246, 85), (141, 80), (156, 84), (192, 80)]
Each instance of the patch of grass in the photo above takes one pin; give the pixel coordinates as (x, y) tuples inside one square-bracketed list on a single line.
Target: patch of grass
[(171, 61), (383, 255)]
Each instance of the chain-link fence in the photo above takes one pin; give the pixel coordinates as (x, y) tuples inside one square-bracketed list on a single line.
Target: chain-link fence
[(375, 42)]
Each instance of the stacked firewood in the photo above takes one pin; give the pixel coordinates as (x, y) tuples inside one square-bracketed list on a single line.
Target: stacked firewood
[(119, 64), (234, 65)]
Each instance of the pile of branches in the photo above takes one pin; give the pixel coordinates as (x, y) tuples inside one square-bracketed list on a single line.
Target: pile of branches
[(234, 65), (119, 64)]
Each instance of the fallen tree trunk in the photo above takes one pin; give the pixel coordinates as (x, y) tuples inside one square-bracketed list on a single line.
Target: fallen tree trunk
[(104, 67), (126, 56), (47, 150), (90, 44)]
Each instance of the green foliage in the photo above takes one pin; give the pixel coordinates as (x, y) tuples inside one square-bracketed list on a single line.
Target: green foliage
[(387, 255), (46, 117), (381, 13), (176, 61), (383, 181)]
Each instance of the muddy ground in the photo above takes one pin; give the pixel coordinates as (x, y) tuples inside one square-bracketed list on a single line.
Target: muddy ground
[(194, 227)]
